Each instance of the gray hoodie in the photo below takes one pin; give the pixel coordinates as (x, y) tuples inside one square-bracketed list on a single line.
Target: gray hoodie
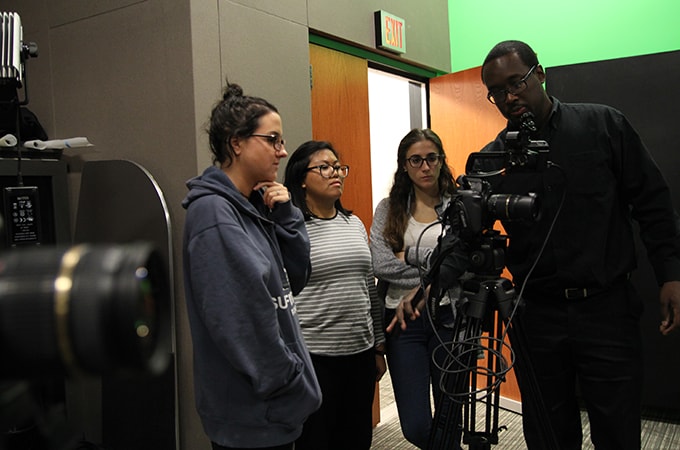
[(253, 378)]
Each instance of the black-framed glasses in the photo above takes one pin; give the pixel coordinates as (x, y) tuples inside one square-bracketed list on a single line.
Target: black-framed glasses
[(276, 141), (499, 95), (433, 160), (327, 171)]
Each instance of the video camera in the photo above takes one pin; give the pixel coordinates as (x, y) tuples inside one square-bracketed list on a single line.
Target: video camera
[(520, 153), (476, 207), (467, 263)]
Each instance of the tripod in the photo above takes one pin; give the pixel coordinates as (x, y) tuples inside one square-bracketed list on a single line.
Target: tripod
[(483, 295)]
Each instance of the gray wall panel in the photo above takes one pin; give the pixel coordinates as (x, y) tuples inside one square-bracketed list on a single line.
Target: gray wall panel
[(427, 26), (66, 11), (274, 65)]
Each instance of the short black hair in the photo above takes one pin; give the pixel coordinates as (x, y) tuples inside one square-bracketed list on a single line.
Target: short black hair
[(523, 50)]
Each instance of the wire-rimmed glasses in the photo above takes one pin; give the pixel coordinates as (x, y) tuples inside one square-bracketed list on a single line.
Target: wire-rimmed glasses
[(499, 95)]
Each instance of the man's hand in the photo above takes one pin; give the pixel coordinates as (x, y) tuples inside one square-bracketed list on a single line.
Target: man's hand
[(669, 297)]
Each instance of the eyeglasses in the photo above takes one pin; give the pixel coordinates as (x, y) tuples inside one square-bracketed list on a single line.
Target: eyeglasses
[(276, 141), (433, 160), (327, 171), (499, 95)]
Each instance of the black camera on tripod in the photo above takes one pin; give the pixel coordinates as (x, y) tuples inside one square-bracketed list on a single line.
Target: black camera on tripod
[(520, 152), (473, 212), (485, 195), (498, 185)]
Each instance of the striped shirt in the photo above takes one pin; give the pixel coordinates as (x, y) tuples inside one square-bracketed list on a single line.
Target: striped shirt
[(339, 309)]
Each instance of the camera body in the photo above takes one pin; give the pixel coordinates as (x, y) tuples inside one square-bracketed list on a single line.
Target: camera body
[(472, 214), (478, 207), (475, 207)]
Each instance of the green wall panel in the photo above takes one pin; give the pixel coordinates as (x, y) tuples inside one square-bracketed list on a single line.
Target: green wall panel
[(563, 32)]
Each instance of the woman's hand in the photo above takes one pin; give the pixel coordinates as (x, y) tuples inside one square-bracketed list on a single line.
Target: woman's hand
[(274, 193), (406, 309)]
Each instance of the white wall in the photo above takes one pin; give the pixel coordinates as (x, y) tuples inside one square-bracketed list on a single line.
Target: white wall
[(390, 116)]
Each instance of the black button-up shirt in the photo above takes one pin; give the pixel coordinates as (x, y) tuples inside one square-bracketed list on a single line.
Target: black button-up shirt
[(607, 178)]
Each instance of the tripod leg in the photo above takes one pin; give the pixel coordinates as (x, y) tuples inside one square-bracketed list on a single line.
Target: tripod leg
[(493, 374), (446, 429), (489, 395)]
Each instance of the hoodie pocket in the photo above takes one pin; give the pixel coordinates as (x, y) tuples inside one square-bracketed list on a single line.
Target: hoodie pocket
[(293, 406)]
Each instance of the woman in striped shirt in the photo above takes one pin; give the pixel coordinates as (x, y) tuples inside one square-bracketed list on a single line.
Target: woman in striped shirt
[(339, 310)]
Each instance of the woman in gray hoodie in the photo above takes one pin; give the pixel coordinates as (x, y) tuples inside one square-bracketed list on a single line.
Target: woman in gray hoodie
[(246, 252)]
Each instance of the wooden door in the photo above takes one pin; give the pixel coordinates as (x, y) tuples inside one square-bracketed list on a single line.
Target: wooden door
[(462, 116), (465, 120), (340, 115)]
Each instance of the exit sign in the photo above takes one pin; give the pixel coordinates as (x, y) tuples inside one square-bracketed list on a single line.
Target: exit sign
[(390, 32)]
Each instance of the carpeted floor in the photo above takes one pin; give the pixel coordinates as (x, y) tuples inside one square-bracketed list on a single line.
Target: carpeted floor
[(659, 431)]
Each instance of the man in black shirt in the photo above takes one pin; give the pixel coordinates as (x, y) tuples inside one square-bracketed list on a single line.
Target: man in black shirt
[(582, 315)]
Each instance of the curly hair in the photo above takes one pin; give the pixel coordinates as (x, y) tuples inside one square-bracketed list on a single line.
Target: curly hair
[(236, 115), (402, 187)]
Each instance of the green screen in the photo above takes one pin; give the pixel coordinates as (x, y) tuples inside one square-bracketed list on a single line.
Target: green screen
[(563, 32)]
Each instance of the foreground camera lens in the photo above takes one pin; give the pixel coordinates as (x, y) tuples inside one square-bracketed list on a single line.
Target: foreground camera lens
[(86, 309), (513, 207)]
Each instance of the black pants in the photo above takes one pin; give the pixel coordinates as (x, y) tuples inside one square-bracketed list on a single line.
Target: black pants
[(345, 419), (593, 344)]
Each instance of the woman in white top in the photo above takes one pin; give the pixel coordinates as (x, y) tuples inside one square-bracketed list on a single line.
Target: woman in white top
[(403, 234)]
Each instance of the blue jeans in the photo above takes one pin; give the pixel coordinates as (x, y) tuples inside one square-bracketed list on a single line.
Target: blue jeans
[(413, 374)]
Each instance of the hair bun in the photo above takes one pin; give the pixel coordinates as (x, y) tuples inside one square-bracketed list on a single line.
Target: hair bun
[(231, 91)]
